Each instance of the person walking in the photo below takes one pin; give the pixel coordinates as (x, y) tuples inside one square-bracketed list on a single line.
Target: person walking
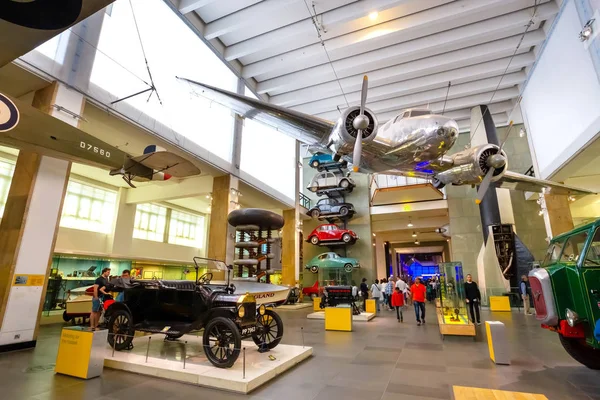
[(401, 284), (524, 288), (398, 303), (98, 297), (125, 275), (376, 294), (418, 297), (383, 286), (473, 298), (364, 290), (389, 289)]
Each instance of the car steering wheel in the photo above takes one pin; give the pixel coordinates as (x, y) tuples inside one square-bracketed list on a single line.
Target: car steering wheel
[(230, 289), (205, 278)]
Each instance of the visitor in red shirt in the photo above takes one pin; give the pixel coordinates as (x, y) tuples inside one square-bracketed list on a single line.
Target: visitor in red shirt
[(418, 296), (398, 303)]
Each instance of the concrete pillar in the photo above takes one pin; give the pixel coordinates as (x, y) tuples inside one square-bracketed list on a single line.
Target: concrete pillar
[(122, 233), (557, 217), (29, 228), (380, 257), (221, 235), (289, 248)]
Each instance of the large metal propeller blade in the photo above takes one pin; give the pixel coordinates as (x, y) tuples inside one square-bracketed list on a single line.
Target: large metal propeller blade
[(485, 184), (493, 162), (360, 123)]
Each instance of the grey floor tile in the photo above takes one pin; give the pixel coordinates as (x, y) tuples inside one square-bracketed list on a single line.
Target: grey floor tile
[(424, 346), (441, 392), (421, 367), (346, 393)]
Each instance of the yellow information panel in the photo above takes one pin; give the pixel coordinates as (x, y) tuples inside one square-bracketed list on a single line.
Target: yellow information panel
[(338, 319), (499, 303), (371, 306), (316, 303), (81, 352), (29, 280)]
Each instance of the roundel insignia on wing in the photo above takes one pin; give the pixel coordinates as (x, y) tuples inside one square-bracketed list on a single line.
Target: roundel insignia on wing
[(41, 14), (9, 114)]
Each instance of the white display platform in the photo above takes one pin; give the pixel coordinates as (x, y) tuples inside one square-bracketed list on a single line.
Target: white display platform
[(199, 371), (297, 306), (363, 317)]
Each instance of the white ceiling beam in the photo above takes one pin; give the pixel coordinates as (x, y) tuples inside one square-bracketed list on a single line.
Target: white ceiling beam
[(248, 16), (461, 37), (171, 190), (187, 6), (428, 82), (428, 65), (426, 23), (438, 106), (456, 91), (302, 33), (222, 8)]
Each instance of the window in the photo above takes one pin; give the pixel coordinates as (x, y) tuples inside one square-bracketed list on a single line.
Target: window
[(418, 113), (592, 258), (7, 169), (574, 247), (553, 253), (186, 229), (150, 222), (323, 256), (88, 208)]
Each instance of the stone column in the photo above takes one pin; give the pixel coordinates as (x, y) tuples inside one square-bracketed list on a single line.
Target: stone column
[(221, 235), (557, 217), (289, 248), (29, 228)]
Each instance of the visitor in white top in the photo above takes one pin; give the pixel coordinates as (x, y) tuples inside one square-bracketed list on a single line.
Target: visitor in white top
[(402, 286), (376, 293)]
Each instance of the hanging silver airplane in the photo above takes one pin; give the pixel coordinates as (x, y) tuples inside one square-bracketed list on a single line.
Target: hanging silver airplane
[(414, 143)]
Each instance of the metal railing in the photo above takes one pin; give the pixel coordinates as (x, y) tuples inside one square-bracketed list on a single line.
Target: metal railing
[(304, 201)]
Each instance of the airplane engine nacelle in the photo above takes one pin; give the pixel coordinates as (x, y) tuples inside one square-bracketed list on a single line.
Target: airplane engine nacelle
[(471, 165), (344, 133)]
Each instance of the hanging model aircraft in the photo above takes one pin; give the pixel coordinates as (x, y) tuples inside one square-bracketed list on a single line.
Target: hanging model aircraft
[(414, 143), (27, 128)]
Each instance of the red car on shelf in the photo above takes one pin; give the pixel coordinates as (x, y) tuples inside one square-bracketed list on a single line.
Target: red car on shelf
[(331, 233)]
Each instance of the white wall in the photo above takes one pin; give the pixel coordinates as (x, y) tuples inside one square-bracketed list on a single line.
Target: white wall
[(561, 102)]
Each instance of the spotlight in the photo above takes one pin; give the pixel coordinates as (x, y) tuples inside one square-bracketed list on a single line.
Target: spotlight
[(414, 234), (522, 132), (410, 224), (541, 212), (373, 16), (417, 242), (572, 198), (587, 31), (374, 235), (373, 244)]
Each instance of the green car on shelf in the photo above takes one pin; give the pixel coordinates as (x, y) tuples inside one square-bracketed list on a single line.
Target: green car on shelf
[(332, 260)]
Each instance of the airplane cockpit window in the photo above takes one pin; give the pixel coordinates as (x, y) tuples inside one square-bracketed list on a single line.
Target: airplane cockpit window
[(418, 113), (405, 114)]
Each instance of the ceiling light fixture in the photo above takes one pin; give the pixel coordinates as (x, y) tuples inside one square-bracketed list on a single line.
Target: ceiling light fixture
[(414, 234), (572, 198), (522, 132), (373, 16), (417, 242), (541, 212), (374, 235), (587, 30), (410, 224)]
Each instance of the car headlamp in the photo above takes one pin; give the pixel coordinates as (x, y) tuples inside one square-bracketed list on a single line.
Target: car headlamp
[(262, 309), (572, 317), (241, 311)]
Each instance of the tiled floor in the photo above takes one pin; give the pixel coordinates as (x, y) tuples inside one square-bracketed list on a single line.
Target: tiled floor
[(380, 360)]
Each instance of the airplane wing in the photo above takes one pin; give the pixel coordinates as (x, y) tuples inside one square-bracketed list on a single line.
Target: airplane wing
[(514, 181), (169, 163), (24, 25), (303, 127), (44, 134)]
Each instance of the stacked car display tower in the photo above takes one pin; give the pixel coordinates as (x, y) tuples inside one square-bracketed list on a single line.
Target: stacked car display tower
[(332, 183)]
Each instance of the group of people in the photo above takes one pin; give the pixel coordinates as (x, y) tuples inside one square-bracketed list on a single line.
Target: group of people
[(395, 293), (100, 295)]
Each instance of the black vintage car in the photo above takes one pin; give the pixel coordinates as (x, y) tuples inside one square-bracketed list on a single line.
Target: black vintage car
[(176, 308)]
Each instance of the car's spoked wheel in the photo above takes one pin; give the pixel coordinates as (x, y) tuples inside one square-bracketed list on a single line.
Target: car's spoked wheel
[(221, 342), (315, 213), (343, 211), (272, 329), (120, 327)]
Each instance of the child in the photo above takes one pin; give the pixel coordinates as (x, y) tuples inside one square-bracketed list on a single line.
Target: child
[(398, 303)]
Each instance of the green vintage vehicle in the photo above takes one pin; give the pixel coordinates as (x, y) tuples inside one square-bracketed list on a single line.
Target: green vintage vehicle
[(566, 292), (332, 260)]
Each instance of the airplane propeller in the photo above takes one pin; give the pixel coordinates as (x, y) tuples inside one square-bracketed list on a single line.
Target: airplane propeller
[(360, 123), (493, 162)]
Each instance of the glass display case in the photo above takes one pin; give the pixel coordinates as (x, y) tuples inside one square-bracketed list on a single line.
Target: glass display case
[(451, 306)]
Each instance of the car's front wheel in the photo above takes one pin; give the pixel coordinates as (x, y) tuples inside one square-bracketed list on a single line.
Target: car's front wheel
[(120, 329), (348, 267), (315, 213), (314, 164), (343, 211), (581, 352), (272, 329), (346, 238), (314, 269), (314, 240), (222, 342), (344, 183)]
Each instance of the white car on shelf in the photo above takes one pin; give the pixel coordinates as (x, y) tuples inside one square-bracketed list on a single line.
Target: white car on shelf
[(329, 180)]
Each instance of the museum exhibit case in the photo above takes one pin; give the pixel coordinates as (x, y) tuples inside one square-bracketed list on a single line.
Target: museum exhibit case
[(451, 306)]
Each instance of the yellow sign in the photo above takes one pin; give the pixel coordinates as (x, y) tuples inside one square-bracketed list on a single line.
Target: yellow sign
[(29, 280), (74, 353)]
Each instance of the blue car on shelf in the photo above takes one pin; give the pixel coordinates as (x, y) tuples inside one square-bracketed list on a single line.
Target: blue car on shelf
[(319, 158)]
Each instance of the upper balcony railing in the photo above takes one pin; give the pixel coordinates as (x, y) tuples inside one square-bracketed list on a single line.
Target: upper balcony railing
[(381, 181), (304, 201)]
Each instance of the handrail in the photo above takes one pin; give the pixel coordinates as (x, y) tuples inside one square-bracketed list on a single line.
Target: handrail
[(304, 201)]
